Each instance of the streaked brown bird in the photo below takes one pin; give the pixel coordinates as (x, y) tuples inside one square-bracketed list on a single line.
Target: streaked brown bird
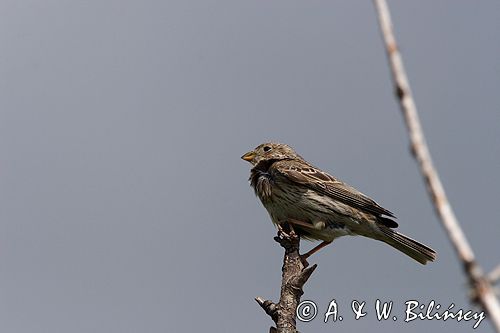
[(318, 205)]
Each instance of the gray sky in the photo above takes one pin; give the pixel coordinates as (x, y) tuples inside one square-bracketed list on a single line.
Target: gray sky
[(126, 208)]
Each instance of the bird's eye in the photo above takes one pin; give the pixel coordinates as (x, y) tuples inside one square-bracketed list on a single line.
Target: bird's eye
[(267, 148)]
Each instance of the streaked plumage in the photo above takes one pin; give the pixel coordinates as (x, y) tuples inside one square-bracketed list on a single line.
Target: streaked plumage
[(319, 206)]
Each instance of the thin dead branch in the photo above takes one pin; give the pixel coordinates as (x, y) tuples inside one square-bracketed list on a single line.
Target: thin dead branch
[(478, 281), (295, 273)]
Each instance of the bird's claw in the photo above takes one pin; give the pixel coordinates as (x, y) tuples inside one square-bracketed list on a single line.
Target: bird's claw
[(283, 233)]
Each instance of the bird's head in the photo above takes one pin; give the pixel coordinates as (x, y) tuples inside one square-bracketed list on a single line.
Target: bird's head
[(270, 151)]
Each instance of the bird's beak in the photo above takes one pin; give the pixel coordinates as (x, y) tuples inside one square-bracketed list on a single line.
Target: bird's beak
[(248, 156)]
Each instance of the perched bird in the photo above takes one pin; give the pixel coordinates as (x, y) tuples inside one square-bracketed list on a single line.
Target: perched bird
[(318, 205)]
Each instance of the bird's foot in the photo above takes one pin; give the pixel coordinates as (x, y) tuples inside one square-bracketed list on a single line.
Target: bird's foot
[(287, 237), (286, 231)]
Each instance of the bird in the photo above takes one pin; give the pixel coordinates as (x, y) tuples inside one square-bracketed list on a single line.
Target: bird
[(319, 206)]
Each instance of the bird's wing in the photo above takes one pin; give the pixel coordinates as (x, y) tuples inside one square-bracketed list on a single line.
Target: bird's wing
[(320, 181)]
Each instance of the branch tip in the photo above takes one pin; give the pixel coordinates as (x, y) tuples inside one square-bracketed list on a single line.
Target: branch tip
[(302, 278), (269, 307)]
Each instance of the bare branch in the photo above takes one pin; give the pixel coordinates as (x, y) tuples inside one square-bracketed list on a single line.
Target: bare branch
[(295, 274), (482, 288)]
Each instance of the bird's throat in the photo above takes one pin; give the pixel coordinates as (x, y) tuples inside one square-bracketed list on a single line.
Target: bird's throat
[(262, 183)]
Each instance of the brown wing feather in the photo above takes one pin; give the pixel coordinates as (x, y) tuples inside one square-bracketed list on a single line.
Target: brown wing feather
[(322, 182)]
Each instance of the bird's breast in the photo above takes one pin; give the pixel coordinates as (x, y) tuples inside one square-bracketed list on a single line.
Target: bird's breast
[(262, 184)]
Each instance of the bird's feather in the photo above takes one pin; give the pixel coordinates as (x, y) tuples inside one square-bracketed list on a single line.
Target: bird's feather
[(326, 184)]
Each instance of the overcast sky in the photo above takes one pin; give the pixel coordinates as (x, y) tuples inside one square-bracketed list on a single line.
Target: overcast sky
[(125, 206)]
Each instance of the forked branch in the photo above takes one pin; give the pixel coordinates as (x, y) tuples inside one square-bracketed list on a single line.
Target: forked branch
[(295, 273)]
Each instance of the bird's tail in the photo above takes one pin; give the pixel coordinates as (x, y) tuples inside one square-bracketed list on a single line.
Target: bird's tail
[(408, 246)]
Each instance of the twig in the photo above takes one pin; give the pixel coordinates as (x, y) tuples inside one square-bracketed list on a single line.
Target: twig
[(479, 283), (295, 274)]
